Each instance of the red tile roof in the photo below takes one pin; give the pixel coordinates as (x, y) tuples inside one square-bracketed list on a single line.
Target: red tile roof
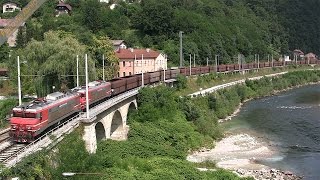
[(131, 53)]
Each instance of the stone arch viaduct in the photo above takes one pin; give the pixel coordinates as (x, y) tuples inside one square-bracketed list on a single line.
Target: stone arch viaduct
[(108, 120)]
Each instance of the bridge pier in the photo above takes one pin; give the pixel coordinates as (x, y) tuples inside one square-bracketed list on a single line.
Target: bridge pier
[(89, 138), (110, 124)]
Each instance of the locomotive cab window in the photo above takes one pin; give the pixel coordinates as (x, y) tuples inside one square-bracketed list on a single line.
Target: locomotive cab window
[(16, 114), (30, 115)]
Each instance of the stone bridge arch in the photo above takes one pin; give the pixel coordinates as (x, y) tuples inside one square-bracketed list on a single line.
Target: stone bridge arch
[(110, 124), (117, 126), (100, 131), (130, 108)]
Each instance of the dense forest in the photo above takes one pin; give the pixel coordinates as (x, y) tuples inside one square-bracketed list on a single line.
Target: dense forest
[(222, 27)]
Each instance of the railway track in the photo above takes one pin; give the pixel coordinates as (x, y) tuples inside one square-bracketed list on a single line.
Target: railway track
[(4, 135), (6, 146), (10, 150)]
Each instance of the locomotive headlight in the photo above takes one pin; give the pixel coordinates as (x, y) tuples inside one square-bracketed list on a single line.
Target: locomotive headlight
[(13, 126)]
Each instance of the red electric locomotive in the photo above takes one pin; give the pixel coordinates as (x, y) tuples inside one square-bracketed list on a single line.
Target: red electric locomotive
[(29, 120)]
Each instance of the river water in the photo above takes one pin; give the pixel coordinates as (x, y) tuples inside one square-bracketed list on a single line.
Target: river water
[(290, 123)]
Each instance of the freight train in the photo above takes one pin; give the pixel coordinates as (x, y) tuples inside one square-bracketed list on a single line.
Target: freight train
[(29, 120)]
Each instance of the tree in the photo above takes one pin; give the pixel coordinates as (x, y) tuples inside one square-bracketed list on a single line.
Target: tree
[(51, 60), (155, 18), (102, 46), (91, 15), (4, 53), (21, 38)]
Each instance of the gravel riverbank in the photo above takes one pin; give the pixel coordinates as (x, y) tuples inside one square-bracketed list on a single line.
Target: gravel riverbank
[(241, 154)]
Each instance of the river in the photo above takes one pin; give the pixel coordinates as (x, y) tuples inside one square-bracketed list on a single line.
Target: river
[(290, 124)]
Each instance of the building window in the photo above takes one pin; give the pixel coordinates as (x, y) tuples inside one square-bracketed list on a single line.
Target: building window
[(124, 74), (118, 74), (123, 64), (130, 64), (129, 73)]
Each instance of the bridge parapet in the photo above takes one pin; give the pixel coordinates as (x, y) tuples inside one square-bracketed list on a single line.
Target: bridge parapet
[(107, 104)]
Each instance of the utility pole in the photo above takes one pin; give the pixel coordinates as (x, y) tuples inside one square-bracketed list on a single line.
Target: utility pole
[(181, 53), (87, 87), (255, 58), (190, 63), (194, 60), (19, 81), (216, 59), (142, 80), (258, 61), (164, 69), (77, 70), (103, 76), (207, 61), (239, 62)]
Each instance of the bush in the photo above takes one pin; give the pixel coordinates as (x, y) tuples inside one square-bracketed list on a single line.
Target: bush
[(5, 110), (181, 82)]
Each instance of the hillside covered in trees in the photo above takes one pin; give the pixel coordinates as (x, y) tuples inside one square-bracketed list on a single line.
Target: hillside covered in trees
[(225, 27)]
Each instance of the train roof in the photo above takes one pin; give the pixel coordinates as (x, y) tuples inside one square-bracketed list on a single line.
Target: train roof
[(93, 85), (49, 100)]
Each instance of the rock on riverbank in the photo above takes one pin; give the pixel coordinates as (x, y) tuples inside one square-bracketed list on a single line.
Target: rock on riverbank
[(263, 174), (241, 154)]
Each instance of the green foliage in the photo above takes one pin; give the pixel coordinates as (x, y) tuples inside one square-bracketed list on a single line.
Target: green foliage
[(157, 23), (210, 27), (102, 46), (4, 53), (201, 80), (5, 110), (181, 82), (301, 36), (50, 59), (199, 112), (191, 111)]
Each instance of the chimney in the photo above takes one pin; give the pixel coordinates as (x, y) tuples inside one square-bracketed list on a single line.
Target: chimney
[(131, 49), (148, 50)]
